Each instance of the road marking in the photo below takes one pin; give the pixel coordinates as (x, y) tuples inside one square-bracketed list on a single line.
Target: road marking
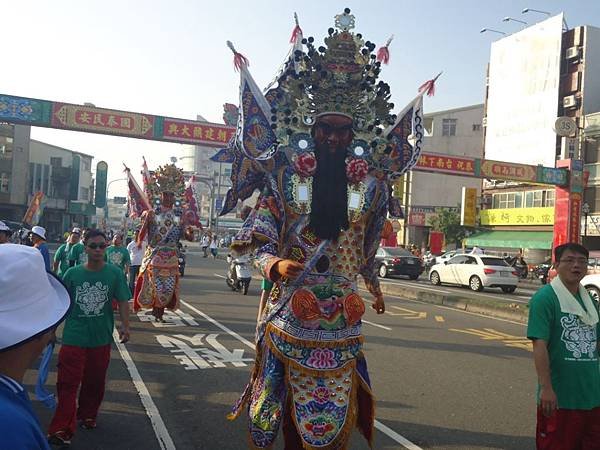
[(395, 436), (221, 326), (439, 319), (220, 276), (193, 354), (489, 334), (376, 325), (160, 430)]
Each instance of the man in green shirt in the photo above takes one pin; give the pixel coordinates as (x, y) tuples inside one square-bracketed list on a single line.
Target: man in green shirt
[(563, 325), (69, 254), (87, 336), (117, 254)]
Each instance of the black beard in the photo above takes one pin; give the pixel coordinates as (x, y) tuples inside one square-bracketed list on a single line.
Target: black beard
[(329, 205)]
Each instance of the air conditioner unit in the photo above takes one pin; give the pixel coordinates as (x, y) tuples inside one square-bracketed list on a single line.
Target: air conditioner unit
[(572, 53), (570, 101), (486, 200), (484, 121)]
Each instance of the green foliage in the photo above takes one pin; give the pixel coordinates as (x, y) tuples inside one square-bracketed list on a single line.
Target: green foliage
[(448, 222)]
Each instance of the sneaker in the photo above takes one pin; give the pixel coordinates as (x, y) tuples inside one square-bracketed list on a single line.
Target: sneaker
[(88, 424), (59, 438)]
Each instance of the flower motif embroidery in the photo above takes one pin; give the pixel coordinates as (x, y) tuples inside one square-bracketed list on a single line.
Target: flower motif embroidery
[(322, 358), (305, 165), (321, 395), (356, 170)]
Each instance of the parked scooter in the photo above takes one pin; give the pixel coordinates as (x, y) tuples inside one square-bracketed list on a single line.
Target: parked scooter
[(521, 269), (239, 273), (541, 272)]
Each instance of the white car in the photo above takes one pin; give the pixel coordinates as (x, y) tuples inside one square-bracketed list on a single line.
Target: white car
[(475, 271), (450, 254), (592, 284)]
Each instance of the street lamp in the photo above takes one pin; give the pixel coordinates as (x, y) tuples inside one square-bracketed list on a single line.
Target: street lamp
[(526, 10), (483, 30), (509, 19), (107, 188), (585, 209)]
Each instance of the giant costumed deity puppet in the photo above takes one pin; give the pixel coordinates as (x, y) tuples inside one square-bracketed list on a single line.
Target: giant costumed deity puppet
[(167, 209), (324, 149)]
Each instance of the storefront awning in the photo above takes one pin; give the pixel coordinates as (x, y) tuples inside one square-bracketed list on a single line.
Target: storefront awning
[(541, 240)]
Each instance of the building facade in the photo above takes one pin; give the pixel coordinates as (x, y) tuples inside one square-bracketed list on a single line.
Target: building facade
[(454, 132)]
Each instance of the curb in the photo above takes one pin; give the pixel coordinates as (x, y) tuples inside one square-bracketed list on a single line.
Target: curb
[(502, 310)]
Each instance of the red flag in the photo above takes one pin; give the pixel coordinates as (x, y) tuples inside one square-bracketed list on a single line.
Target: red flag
[(192, 214), (137, 202)]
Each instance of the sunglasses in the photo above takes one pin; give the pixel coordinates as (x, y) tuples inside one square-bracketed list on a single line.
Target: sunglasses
[(95, 246)]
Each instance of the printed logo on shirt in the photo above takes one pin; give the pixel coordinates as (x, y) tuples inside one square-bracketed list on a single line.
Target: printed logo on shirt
[(91, 298), (116, 258), (579, 338)]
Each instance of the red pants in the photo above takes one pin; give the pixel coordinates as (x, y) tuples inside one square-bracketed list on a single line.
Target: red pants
[(569, 429), (79, 366)]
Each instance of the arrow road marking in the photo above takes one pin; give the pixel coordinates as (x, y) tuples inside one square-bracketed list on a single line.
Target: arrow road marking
[(439, 319)]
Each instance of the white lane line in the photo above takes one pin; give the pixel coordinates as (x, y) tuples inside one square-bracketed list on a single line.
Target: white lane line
[(220, 276), (160, 430), (395, 436), (381, 427), (376, 325), (221, 326)]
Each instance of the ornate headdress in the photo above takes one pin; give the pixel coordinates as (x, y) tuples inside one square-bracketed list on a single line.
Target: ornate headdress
[(340, 77), (169, 178)]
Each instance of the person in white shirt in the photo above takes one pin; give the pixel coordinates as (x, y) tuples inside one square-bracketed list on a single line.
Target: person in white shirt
[(136, 254), (477, 251), (204, 244), (214, 247)]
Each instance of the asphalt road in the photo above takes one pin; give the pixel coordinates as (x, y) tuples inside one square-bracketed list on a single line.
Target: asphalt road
[(443, 378)]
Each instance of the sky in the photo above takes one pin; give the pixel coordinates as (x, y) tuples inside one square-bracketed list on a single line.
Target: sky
[(169, 58)]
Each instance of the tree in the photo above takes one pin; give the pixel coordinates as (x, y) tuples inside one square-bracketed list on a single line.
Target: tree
[(448, 222)]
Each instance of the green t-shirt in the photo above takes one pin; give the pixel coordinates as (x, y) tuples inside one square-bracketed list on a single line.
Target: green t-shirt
[(119, 256), (572, 348), (68, 256), (90, 322)]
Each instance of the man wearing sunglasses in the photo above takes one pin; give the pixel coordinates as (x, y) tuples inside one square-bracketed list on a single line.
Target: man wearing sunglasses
[(85, 354)]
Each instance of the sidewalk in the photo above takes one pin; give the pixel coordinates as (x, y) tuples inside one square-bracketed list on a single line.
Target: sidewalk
[(482, 305)]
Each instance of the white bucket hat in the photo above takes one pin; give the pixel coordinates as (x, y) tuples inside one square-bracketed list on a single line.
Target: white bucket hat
[(76, 230), (32, 301), (4, 227), (40, 231)]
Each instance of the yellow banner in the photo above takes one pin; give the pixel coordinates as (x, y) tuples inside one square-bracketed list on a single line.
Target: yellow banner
[(517, 216), (468, 212)]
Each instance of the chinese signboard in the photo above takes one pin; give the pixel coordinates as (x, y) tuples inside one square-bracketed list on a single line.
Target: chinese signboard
[(197, 132), (468, 211), (99, 120), (421, 216), (508, 171), (66, 116), (517, 216), (447, 164)]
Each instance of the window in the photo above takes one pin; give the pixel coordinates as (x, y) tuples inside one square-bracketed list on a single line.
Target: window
[(476, 127), (85, 165), (460, 259), (46, 183), (4, 182), (6, 147), (508, 200), (55, 162), (448, 127), (534, 199), (428, 125), (84, 193), (549, 200)]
